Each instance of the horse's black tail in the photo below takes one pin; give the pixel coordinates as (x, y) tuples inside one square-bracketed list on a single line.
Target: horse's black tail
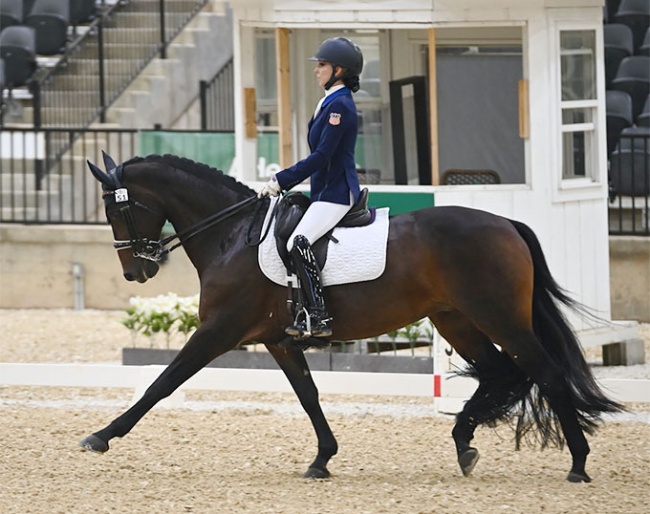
[(555, 334)]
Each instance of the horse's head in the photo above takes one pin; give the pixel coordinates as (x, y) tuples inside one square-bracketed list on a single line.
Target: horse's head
[(136, 226)]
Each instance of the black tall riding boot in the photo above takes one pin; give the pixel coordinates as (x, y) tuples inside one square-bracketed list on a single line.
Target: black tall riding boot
[(307, 270)]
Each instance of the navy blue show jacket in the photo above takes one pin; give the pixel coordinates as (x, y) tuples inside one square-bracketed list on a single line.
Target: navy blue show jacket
[(332, 137)]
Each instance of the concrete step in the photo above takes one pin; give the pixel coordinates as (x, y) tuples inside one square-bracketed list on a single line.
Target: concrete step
[(170, 6), (18, 214), (630, 218), (128, 35), (140, 20), (64, 198), (18, 181), (129, 51), (70, 84), (18, 198), (67, 116), (88, 65)]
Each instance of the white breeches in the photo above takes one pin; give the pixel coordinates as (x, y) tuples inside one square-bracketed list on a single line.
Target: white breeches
[(318, 220)]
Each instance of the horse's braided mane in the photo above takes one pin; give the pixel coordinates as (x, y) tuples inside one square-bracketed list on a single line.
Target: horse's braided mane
[(204, 171)]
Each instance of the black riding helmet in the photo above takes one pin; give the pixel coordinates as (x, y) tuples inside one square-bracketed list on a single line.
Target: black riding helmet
[(340, 51)]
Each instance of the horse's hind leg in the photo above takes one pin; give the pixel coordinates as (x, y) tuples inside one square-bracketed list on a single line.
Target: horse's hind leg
[(292, 361), (495, 372), (530, 356)]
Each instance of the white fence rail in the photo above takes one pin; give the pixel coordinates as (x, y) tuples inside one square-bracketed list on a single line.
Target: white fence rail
[(449, 391)]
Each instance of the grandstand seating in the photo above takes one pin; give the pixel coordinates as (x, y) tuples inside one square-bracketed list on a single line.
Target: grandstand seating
[(643, 119), (611, 6), (82, 11), (618, 45), (27, 7), (636, 15), (627, 82), (18, 50), (11, 13), (644, 49), (633, 76), (619, 116), (630, 163), (50, 19)]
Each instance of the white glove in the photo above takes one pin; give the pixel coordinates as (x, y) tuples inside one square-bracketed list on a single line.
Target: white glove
[(272, 188)]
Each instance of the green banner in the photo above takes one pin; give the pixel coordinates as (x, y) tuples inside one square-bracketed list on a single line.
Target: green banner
[(218, 149), (400, 202), (214, 149)]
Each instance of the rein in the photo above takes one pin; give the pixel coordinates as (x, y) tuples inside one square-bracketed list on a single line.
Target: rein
[(154, 250), (253, 223)]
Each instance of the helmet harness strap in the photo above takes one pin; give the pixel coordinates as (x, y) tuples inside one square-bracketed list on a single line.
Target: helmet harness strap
[(333, 78)]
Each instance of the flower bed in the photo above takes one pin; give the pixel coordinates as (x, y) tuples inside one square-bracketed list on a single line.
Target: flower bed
[(173, 319)]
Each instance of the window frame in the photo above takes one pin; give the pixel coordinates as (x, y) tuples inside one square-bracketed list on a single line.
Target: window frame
[(593, 183)]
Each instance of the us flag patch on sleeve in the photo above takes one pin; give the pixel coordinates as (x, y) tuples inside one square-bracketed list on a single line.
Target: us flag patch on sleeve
[(335, 118)]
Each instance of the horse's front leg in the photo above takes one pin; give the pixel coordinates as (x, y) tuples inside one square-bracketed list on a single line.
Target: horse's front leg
[(212, 339), (293, 363)]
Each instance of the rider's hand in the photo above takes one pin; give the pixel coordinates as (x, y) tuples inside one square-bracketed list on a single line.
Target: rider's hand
[(272, 188)]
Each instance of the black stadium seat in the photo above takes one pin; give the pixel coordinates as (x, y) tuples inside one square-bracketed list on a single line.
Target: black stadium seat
[(643, 119), (51, 19), (630, 163), (633, 77), (619, 116), (644, 49), (27, 7), (18, 49), (82, 11), (636, 15), (611, 6), (618, 46), (11, 13)]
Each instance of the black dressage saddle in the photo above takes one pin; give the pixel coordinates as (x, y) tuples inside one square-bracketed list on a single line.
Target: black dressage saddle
[(290, 211)]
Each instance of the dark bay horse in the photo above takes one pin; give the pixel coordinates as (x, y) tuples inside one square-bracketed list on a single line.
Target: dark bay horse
[(482, 279)]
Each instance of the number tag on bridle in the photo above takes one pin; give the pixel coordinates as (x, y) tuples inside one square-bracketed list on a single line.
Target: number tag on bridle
[(121, 195)]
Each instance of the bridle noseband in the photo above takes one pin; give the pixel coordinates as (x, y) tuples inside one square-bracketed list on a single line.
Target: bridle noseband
[(142, 247), (155, 250)]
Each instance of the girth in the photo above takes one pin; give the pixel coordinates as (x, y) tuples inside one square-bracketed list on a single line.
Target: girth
[(292, 207)]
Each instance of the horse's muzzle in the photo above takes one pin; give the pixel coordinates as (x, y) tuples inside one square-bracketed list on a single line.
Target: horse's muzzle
[(147, 269)]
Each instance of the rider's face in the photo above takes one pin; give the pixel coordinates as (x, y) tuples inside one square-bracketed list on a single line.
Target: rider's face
[(323, 72)]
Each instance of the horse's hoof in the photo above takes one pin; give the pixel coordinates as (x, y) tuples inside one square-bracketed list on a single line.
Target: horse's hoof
[(316, 473), (577, 477), (468, 460), (93, 443)]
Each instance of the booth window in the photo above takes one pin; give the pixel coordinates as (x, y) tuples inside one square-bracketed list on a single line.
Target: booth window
[(578, 103)]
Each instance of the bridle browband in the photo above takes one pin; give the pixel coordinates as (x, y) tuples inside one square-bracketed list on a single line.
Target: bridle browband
[(154, 250)]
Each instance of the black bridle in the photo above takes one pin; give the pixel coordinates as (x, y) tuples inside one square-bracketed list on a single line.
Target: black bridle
[(155, 250)]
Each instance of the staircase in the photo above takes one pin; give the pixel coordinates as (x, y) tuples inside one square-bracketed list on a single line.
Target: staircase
[(161, 92), (131, 39), (164, 91)]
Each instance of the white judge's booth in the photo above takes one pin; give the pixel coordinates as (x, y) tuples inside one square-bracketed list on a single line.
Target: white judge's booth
[(493, 105)]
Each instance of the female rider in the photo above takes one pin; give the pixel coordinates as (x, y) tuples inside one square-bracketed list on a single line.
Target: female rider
[(334, 182)]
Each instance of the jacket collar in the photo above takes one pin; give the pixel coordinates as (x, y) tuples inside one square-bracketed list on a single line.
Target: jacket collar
[(334, 94)]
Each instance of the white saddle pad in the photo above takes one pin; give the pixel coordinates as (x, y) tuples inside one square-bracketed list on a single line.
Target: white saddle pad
[(360, 254)]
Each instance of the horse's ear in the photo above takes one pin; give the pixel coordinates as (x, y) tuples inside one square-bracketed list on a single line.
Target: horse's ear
[(99, 174), (109, 163)]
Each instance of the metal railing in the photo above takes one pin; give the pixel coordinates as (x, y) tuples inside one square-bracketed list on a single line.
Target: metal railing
[(38, 187), (100, 64), (629, 176), (217, 100)]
